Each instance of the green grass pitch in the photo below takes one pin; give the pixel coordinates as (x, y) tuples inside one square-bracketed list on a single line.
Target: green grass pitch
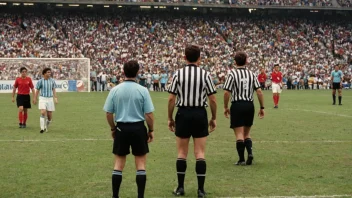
[(303, 148)]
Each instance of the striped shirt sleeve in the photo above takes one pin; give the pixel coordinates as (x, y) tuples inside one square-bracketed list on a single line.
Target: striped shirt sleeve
[(54, 84), (210, 87), (173, 85), (39, 85), (228, 86), (256, 82)]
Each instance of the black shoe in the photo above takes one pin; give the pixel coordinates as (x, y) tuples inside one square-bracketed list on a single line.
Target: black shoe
[(201, 193), (41, 131), (276, 107), (179, 192), (249, 160), (20, 125), (24, 125), (240, 163)]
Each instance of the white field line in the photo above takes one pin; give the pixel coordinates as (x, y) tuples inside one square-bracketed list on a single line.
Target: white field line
[(171, 140), (321, 112)]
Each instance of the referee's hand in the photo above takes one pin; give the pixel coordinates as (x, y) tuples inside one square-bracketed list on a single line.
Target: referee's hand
[(227, 112), (171, 124), (261, 113), (212, 125), (150, 137)]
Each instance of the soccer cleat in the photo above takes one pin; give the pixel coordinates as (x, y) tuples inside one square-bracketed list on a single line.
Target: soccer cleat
[(179, 192), (42, 131), (249, 160), (201, 193), (239, 163), (20, 125), (276, 107), (24, 125)]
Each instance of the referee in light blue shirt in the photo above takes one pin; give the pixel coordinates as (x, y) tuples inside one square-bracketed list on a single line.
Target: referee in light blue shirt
[(336, 78), (46, 87), (132, 105)]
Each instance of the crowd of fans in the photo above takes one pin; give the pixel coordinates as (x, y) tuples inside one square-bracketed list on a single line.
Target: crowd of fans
[(320, 3), (345, 3), (156, 41)]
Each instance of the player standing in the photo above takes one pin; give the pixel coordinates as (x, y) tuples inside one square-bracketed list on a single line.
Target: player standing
[(262, 78), (276, 79), (24, 84), (163, 80), (46, 86), (336, 78)]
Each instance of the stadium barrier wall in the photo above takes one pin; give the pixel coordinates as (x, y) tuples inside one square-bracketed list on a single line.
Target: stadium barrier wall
[(6, 86)]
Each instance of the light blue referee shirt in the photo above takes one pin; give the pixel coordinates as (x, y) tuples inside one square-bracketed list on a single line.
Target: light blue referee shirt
[(46, 87), (129, 102), (337, 75)]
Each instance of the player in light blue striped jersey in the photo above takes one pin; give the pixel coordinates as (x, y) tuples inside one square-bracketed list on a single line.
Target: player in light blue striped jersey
[(47, 94)]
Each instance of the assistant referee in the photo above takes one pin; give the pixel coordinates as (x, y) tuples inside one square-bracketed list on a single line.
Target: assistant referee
[(241, 84), (132, 105), (191, 86)]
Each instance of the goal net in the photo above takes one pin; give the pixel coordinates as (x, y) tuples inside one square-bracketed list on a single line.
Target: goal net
[(70, 74)]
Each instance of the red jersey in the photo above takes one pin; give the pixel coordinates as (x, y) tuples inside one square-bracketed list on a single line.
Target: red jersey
[(24, 85), (262, 78), (276, 77)]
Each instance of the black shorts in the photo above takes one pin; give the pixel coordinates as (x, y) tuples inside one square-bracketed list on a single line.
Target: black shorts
[(191, 122), (336, 86), (162, 85), (132, 135), (242, 114), (23, 100)]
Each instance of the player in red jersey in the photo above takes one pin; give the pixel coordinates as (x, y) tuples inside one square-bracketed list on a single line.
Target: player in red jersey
[(276, 85), (262, 78), (24, 84)]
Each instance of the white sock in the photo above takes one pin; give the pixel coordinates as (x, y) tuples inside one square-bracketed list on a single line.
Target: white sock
[(47, 123), (42, 122)]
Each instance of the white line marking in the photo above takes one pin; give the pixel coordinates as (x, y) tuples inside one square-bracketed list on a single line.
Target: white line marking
[(321, 112), (162, 140)]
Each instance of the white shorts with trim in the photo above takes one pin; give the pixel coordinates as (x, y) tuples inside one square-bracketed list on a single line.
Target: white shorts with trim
[(46, 103), (276, 88)]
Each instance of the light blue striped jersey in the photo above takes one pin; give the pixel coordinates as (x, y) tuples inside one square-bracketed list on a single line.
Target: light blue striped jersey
[(46, 87)]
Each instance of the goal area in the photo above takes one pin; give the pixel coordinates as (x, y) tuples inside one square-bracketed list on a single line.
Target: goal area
[(70, 74)]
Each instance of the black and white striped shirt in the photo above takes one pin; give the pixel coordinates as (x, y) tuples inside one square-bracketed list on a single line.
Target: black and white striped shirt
[(241, 83), (192, 85)]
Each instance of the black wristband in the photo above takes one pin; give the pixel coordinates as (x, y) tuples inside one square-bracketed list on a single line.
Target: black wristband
[(114, 129), (262, 108), (150, 131)]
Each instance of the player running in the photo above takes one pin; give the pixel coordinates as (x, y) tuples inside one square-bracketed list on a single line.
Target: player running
[(46, 86), (24, 84), (336, 78), (276, 79)]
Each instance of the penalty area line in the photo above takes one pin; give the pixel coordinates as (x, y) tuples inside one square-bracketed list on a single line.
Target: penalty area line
[(321, 112)]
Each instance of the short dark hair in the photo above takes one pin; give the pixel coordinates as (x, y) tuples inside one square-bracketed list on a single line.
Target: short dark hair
[(192, 53), (46, 70), (240, 58), (23, 68), (131, 69), (276, 65)]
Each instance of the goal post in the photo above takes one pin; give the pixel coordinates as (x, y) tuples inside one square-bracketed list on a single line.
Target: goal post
[(70, 74)]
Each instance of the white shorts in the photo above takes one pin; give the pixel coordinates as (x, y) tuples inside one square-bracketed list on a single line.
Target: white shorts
[(276, 88), (46, 104)]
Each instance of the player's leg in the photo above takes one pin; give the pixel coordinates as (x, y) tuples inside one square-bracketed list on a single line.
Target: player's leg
[(181, 164), (42, 120), (20, 116), (50, 109), (275, 91), (277, 99), (25, 117), (239, 133), (48, 119), (333, 94), (201, 166), (141, 176), (248, 144), (340, 95), (120, 162)]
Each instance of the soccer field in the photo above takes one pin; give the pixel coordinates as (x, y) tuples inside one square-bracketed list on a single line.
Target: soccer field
[(303, 148)]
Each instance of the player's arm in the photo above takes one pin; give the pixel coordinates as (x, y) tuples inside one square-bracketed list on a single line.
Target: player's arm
[(14, 90), (110, 119), (54, 92), (227, 95), (260, 96)]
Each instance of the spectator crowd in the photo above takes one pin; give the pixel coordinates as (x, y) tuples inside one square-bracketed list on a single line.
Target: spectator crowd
[(301, 47)]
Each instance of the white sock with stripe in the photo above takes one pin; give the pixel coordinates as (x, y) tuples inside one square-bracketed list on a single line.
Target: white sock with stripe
[(42, 122)]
